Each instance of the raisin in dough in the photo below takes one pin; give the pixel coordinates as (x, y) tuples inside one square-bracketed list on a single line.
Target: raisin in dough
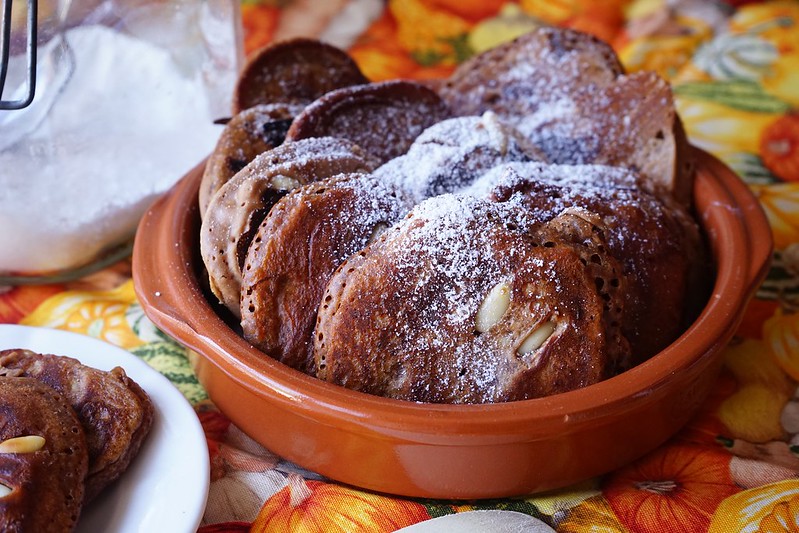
[(249, 133), (237, 209)]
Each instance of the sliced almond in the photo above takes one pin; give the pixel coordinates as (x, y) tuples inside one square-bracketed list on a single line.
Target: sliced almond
[(497, 132), (5, 490), (493, 307), (24, 444), (377, 231), (284, 183), (536, 338)]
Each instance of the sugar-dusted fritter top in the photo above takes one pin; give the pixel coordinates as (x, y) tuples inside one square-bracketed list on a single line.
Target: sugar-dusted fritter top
[(462, 303)]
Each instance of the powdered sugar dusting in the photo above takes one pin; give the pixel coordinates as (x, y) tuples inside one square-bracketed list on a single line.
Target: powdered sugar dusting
[(452, 154), (445, 257), (587, 178), (510, 192), (383, 118), (549, 190), (376, 205), (517, 78), (300, 153)]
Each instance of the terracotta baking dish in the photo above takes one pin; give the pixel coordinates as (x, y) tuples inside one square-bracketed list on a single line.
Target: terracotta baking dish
[(449, 451)]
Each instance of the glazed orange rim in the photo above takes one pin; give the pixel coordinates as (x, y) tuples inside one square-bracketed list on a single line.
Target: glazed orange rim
[(727, 208)]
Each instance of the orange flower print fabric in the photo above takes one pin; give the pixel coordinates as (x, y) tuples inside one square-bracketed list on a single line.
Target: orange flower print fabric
[(674, 490), (18, 302), (779, 146), (317, 507)]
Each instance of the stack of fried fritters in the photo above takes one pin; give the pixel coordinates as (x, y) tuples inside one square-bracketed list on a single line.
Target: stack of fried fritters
[(520, 229), (67, 431)]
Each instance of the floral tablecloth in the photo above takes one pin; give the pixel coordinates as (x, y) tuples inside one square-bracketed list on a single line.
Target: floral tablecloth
[(735, 467)]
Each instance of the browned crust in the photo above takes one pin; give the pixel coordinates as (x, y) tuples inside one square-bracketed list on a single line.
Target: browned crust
[(249, 133), (567, 92), (241, 204), (398, 321), (115, 413), (515, 78), (382, 118), (656, 241), (305, 237), (47, 485), (295, 71)]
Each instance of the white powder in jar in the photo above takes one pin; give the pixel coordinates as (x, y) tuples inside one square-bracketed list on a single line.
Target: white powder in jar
[(125, 127)]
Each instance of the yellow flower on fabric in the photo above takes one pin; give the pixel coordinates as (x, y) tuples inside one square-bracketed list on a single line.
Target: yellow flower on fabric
[(752, 413), (665, 54), (781, 204), (750, 362), (781, 331), (720, 129), (511, 22), (643, 8), (771, 508), (101, 314), (784, 78), (552, 11), (429, 34), (774, 21), (560, 501), (592, 515)]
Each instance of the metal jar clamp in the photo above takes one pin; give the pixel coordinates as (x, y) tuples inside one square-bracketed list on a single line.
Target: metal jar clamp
[(30, 51)]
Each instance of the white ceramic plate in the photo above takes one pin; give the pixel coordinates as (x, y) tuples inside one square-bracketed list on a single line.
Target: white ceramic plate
[(166, 486)]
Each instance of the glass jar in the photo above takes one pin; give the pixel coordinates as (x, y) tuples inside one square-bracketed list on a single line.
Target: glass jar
[(129, 96)]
